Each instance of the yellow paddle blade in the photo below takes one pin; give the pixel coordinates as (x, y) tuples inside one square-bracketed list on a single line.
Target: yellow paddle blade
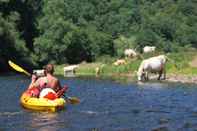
[(18, 68), (73, 100)]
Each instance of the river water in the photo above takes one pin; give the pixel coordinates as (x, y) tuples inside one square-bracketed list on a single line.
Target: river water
[(106, 105)]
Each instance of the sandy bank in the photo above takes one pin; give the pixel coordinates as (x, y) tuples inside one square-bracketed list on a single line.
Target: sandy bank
[(182, 78)]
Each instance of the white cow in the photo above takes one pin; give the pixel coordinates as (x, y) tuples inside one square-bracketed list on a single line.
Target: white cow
[(154, 65), (70, 70), (130, 53), (148, 49)]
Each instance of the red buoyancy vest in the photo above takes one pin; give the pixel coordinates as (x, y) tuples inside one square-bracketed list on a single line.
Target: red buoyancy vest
[(34, 92)]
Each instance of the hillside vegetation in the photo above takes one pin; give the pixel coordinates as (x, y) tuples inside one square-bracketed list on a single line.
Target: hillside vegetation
[(36, 32)]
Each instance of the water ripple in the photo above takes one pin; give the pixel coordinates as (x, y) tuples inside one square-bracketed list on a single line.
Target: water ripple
[(10, 113)]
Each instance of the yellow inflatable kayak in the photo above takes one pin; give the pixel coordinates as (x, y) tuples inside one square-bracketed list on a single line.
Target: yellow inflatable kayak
[(41, 104)]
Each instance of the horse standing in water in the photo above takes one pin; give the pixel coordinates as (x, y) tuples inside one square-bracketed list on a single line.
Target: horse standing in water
[(153, 65)]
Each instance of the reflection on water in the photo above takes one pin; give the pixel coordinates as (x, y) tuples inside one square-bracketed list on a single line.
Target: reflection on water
[(44, 121), (106, 104)]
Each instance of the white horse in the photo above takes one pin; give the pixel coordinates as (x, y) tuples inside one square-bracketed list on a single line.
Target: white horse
[(153, 65)]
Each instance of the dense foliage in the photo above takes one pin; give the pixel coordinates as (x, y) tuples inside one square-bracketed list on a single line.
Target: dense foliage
[(71, 31)]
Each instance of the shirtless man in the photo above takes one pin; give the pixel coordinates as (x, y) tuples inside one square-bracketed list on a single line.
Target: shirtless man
[(47, 81)]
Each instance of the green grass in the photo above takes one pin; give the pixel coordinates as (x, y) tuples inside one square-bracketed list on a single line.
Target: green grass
[(59, 70), (87, 68), (182, 60)]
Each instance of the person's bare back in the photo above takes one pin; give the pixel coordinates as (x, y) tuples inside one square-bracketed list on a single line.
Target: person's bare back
[(53, 82)]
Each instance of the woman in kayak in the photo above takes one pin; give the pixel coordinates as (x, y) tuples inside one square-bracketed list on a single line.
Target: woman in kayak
[(47, 81)]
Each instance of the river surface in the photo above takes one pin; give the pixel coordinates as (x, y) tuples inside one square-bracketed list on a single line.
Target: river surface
[(106, 105)]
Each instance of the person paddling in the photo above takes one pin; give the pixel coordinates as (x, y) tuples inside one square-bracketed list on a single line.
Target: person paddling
[(47, 81)]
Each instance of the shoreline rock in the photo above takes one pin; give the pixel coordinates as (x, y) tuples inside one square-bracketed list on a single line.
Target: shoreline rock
[(181, 78)]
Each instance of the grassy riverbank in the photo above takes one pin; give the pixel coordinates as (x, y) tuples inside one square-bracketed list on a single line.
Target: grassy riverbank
[(182, 64)]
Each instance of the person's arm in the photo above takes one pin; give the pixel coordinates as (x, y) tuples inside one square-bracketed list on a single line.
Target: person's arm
[(59, 89), (33, 81)]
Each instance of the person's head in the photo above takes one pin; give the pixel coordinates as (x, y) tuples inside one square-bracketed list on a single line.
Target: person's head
[(49, 69)]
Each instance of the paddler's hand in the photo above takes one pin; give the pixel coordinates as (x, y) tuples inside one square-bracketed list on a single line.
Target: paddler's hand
[(62, 91), (65, 88), (33, 78)]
